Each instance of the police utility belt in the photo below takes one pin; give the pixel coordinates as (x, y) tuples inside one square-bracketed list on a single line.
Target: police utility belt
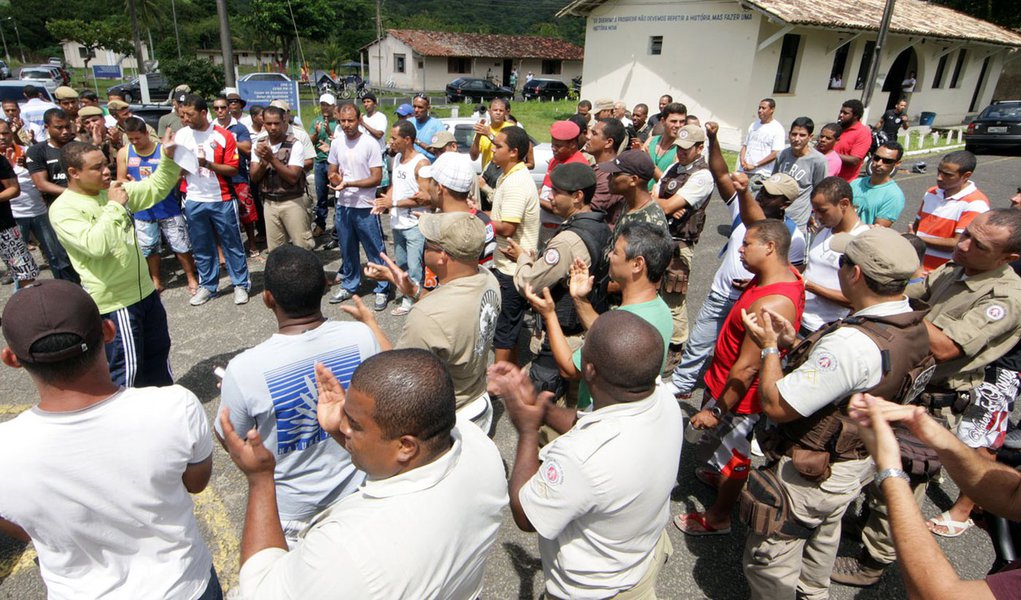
[(829, 436)]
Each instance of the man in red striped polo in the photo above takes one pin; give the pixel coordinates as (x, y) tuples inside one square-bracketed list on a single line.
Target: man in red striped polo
[(948, 208)]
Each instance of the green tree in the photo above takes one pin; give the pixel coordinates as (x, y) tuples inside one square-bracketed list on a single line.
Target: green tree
[(204, 78), (272, 18), (111, 34)]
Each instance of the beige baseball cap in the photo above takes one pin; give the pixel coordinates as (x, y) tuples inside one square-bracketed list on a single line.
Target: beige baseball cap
[(461, 235), (882, 254), (688, 136), (602, 104), (65, 93), (116, 105), (281, 104), (780, 184)]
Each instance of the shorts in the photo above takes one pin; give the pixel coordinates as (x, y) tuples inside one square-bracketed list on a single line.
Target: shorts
[(15, 254), (512, 313), (246, 204), (733, 440), (984, 423), (175, 229)]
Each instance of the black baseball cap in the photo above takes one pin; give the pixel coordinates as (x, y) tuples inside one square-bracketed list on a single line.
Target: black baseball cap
[(632, 162), (573, 177), (49, 307)]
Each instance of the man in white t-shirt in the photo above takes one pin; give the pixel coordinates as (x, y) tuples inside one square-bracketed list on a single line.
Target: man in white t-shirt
[(108, 507), (271, 387), (209, 205), (406, 198), (423, 522), (373, 122), (766, 138), (278, 171), (598, 495), (834, 213), (355, 171), (778, 191)]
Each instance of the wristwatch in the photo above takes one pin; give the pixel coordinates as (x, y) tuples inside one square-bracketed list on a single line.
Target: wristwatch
[(716, 412), (887, 473), (767, 351)]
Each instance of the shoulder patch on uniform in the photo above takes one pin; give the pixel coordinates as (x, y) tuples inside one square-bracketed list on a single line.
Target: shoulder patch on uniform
[(552, 256), (672, 184), (826, 362), (995, 312), (552, 473)]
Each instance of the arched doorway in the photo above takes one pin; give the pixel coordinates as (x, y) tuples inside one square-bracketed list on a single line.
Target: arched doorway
[(905, 65)]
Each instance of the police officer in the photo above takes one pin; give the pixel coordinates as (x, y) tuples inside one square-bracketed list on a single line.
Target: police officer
[(582, 236), (683, 193), (820, 464), (975, 318)]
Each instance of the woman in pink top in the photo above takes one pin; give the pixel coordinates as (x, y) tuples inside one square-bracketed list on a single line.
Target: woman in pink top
[(828, 137)]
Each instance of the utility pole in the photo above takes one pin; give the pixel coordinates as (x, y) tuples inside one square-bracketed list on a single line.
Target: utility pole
[(870, 83), (226, 46), (177, 34), (17, 34), (379, 45), (4, 38), (135, 38)]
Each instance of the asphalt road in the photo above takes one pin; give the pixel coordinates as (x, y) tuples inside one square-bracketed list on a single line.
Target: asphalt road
[(210, 335)]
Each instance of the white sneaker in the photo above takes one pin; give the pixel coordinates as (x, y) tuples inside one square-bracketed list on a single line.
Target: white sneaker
[(202, 295), (240, 295), (756, 450)]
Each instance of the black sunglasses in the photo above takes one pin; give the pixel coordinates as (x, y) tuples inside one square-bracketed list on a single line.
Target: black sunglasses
[(885, 161)]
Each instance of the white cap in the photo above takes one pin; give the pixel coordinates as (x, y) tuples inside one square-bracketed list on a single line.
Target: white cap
[(328, 98), (452, 170)]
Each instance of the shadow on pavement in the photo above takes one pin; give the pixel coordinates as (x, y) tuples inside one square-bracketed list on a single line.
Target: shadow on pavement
[(200, 379), (526, 566)]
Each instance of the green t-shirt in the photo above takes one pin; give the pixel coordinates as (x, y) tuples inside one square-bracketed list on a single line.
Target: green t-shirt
[(657, 313), (325, 135), (871, 202), (662, 161)]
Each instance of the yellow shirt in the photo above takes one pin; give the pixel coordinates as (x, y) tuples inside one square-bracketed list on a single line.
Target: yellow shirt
[(486, 146)]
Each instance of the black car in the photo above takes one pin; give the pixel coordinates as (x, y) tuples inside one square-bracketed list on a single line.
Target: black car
[(997, 126), (545, 89), (159, 91), (470, 90), (150, 113)]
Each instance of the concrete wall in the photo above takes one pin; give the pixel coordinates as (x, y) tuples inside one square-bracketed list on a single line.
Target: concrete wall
[(434, 74), (73, 57), (711, 62), (242, 57)]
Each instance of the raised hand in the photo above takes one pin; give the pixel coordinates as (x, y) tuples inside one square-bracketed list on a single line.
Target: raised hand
[(358, 310), (526, 410), (330, 407), (580, 283), (544, 304), (249, 454)]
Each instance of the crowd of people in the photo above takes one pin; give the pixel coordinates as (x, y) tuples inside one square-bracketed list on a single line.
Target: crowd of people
[(856, 359)]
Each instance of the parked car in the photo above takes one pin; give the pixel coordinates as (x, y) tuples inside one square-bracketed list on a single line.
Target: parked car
[(11, 89), (464, 134), (5, 71), (265, 77), (545, 89), (470, 89), (997, 126), (159, 90), (42, 76), (150, 113)]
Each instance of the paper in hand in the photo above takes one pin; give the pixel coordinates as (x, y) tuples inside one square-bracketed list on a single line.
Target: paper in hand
[(186, 158)]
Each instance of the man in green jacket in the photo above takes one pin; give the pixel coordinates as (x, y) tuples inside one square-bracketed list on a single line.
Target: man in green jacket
[(92, 220)]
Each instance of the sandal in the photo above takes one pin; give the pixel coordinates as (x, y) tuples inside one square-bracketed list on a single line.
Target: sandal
[(950, 527), (399, 310), (695, 524)]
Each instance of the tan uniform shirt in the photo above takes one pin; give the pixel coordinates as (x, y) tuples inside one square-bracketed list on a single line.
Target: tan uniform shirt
[(553, 266), (456, 322), (981, 314)]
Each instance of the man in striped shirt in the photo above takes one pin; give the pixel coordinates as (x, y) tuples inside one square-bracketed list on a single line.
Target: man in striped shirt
[(948, 208)]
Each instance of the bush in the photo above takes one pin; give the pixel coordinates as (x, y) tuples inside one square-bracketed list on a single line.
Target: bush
[(204, 78)]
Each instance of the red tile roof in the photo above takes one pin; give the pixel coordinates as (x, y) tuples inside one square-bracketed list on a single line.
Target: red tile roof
[(478, 45)]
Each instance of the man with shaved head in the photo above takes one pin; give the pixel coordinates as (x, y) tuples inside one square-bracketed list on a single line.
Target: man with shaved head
[(600, 520)]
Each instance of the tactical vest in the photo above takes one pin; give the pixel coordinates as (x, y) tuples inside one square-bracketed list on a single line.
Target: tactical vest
[(688, 227), (903, 343), (273, 187), (591, 228)]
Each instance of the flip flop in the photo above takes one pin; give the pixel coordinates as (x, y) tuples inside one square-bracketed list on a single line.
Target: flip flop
[(400, 311), (953, 528), (694, 524)]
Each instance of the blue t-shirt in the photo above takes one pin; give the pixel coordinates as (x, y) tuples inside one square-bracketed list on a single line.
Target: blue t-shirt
[(425, 132), (884, 201), (241, 134), (141, 167)]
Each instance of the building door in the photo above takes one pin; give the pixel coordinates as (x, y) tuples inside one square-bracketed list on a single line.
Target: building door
[(508, 64), (905, 65)]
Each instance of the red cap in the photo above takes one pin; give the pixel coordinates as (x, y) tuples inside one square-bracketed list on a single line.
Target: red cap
[(564, 130)]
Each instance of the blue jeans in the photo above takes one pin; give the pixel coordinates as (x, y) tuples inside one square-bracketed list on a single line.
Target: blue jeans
[(207, 223), (323, 193), (701, 340), (60, 264), (356, 226), (409, 246)]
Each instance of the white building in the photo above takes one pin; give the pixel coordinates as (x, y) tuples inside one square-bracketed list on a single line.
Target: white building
[(721, 57), (75, 54), (429, 60), (249, 58)]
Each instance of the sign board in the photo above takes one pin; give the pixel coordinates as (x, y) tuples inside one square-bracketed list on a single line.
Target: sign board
[(106, 71), (261, 93)]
